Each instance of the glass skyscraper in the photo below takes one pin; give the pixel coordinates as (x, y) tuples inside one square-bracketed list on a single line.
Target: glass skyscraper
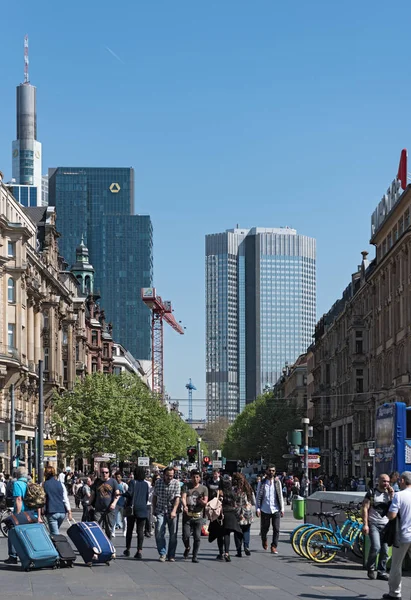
[(260, 311), (98, 204)]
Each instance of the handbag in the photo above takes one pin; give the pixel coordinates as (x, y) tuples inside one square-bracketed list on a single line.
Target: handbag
[(128, 510), (214, 510), (21, 518), (391, 533)]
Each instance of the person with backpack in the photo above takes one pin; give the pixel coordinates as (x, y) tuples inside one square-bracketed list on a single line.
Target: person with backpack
[(221, 528), (244, 500), (19, 491), (270, 507), (77, 492)]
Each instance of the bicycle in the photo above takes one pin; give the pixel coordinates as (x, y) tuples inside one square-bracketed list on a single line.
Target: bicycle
[(322, 544), (4, 514)]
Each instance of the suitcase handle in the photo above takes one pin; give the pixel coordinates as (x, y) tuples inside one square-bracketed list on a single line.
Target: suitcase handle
[(73, 520)]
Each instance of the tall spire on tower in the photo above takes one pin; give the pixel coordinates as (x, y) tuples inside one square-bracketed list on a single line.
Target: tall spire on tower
[(26, 59)]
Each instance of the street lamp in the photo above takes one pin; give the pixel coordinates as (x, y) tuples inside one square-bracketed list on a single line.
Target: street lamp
[(199, 458), (305, 422)]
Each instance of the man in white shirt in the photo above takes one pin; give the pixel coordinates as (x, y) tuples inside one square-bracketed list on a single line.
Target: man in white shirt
[(62, 477), (270, 506), (400, 507)]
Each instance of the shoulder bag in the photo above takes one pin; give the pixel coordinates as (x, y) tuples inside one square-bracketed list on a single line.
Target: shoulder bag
[(128, 510)]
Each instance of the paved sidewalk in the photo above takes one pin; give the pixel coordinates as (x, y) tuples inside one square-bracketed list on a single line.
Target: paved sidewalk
[(262, 575)]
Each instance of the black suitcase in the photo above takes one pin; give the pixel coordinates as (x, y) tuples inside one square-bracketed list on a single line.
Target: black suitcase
[(63, 547)]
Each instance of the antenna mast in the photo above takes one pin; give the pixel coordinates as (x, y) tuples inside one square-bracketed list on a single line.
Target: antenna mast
[(26, 59)]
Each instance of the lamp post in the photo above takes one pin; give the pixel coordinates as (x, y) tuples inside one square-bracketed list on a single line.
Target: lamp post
[(199, 458), (305, 422)]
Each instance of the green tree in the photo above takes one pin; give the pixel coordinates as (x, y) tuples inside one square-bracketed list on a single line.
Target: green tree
[(215, 433), (118, 414), (261, 429)]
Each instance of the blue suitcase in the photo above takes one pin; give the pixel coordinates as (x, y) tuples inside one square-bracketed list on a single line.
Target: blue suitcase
[(92, 543), (34, 546)]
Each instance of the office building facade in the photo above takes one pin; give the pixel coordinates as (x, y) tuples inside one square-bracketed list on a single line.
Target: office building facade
[(97, 204), (260, 312)]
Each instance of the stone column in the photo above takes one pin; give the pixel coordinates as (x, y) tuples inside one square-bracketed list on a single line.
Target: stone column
[(30, 331), (38, 355), (71, 357)]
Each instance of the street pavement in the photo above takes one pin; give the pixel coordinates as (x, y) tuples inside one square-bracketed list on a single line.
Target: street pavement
[(262, 575)]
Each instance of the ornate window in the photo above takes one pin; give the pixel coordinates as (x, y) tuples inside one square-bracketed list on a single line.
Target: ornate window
[(11, 290)]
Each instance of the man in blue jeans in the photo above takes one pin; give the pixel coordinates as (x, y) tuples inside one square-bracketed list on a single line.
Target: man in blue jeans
[(166, 500), (19, 492), (374, 514)]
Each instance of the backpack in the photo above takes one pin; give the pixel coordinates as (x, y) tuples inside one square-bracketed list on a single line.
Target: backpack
[(35, 496), (80, 493), (214, 510)]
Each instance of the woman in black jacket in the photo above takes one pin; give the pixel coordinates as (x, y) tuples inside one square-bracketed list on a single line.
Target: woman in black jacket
[(221, 529)]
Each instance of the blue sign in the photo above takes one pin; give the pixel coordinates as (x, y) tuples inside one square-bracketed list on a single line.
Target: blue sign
[(313, 451)]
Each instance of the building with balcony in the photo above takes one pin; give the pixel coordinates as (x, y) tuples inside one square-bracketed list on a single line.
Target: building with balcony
[(361, 347)]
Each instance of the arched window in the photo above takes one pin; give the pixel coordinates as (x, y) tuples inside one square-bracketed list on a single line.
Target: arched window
[(11, 290)]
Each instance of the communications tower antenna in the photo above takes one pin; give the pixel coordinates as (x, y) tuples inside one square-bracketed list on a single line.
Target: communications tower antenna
[(26, 59), (190, 386)]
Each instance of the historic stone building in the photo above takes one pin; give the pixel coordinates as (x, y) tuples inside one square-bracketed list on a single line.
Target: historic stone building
[(48, 313), (359, 358)]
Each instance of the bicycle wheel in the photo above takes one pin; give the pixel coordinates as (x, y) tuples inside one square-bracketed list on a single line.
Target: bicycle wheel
[(295, 537), (357, 546), (3, 527), (321, 546), (303, 539)]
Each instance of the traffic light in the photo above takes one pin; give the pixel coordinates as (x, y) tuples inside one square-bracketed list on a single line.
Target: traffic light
[(191, 453), (206, 461)]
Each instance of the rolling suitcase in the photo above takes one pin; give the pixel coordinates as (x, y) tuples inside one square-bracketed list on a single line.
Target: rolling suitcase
[(92, 543), (34, 546), (63, 547)]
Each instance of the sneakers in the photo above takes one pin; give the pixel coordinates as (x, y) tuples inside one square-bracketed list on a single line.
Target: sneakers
[(389, 597), (274, 550), (382, 576), (11, 560), (162, 558), (138, 555), (239, 554), (126, 552), (194, 559), (171, 560), (220, 557), (371, 574), (247, 551), (186, 553)]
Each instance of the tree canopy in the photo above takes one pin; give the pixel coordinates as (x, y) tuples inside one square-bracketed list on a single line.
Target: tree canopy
[(215, 433), (261, 430), (118, 414)]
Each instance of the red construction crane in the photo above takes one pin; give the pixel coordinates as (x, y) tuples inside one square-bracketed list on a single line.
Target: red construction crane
[(161, 310)]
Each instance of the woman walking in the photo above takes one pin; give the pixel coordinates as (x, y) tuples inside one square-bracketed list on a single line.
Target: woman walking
[(137, 495), (57, 502), (244, 501), (221, 530)]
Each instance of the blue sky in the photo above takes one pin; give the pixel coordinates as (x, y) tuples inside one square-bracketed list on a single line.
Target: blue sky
[(257, 113)]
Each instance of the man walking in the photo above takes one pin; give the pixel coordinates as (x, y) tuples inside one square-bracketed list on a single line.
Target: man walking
[(194, 498), (374, 514), (400, 507), (166, 500), (270, 506), (104, 497), (214, 484), (19, 493)]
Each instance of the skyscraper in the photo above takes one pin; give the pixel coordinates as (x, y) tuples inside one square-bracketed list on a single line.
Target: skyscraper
[(97, 203), (260, 311), (26, 149)]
